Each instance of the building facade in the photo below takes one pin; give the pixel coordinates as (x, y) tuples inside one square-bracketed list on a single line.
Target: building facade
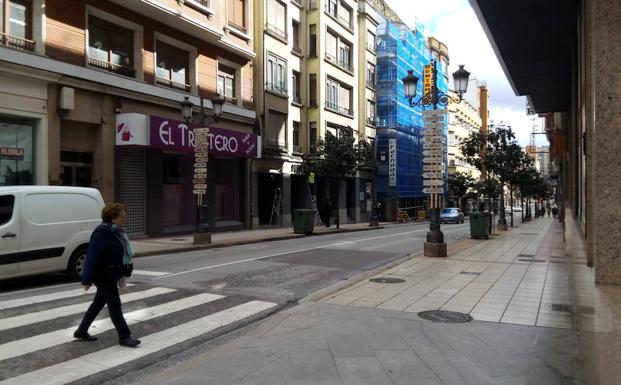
[(399, 175), (90, 96), (312, 62), (464, 119)]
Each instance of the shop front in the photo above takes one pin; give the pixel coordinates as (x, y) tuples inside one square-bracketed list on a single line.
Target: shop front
[(155, 175)]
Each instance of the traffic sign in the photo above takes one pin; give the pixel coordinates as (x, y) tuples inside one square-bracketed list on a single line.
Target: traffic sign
[(432, 133), (433, 190), (433, 182), (199, 192), (432, 153), (433, 167), (432, 139), (432, 175), (200, 164), (431, 126), (201, 130), (432, 160), (432, 146)]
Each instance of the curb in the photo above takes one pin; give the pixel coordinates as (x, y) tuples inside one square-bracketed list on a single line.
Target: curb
[(247, 242)]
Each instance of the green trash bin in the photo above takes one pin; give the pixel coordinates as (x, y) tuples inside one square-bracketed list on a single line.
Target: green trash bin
[(479, 226), (303, 221)]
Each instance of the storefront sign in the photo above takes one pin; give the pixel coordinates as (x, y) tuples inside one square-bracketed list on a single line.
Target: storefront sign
[(174, 135), (12, 153), (428, 80), (392, 162)]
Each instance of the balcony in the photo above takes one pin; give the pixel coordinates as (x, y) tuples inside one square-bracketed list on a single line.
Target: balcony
[(16, 42), (297, 100), (345, 22), (172, 84), (229, 99), (371, 82), (280, 89), (339, 110), (342, 64), (276, 31), (371, 122), (105, 66)]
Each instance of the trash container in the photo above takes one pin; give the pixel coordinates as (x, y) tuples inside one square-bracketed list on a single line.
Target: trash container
[(303, 221), (479, 225)]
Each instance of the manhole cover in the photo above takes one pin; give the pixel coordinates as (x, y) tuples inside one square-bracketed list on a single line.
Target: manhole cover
[(446, 316), (387, 280), (470, 273)]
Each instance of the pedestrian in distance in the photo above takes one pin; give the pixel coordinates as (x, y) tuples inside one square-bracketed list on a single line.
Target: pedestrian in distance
[(327, 211), (554, 212), (549, 210), (108, 262)]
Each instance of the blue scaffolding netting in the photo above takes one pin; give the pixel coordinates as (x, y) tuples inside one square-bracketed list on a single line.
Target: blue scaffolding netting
[(399, 50)]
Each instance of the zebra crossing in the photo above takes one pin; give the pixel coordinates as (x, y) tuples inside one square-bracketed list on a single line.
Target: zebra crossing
[(36, 331)]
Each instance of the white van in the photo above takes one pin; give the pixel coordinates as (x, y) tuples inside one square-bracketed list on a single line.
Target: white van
[(46, 228)]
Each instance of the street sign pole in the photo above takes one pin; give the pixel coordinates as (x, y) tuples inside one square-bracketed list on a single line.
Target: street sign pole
[(202, 234)]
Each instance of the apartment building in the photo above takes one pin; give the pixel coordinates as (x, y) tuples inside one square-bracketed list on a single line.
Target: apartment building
[(90, 95), (313, 61), (464, 119)]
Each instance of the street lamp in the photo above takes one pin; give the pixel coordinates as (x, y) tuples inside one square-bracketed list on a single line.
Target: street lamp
[(435, 245), (202, 233)]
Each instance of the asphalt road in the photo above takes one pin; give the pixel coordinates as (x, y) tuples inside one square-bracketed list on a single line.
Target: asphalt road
[(193, 296)]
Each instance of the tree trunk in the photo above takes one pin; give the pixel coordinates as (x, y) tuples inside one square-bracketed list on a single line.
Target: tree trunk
[(338, 201), (502, 220), (511, 194)]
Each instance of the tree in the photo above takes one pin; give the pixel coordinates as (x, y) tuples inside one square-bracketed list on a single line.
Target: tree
[(459, 183), (338, 157), (494, 153)]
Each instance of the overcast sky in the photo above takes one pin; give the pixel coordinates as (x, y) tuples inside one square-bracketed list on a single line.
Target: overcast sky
[(455, 23)]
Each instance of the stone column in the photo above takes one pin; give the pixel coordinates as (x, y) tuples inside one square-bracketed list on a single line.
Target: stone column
[(603, 228), (254, 199)]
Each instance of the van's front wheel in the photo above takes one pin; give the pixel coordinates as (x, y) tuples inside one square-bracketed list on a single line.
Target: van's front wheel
[(76, 263)]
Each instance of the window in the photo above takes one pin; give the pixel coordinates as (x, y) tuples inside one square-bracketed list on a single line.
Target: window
[(332, 92), (277, 18), (338, 97), (296, 87), (312, 89), (332, 7), (296, 37), (237, 14), (370, 75), (344, 16), (226, 83), (276, 74), (331, 47), (296, 137), (16, 24), (370, 112), (172, 66), (344, 55), (16, 152), (6, 208), (110, 47), (277, 130), (312, 40), (312, 135), (371, 41)]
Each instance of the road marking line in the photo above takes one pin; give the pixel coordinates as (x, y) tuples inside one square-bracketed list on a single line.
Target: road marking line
[(46, 297), (148, 272), (93, 363), (35, 289), (46, 315), (47, 340), (291, 252)]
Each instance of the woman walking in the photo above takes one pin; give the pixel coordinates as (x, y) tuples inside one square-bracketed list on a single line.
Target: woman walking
[(108, 261)]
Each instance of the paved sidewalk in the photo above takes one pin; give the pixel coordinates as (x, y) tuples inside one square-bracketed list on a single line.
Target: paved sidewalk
[(172, 244), (371, 334)]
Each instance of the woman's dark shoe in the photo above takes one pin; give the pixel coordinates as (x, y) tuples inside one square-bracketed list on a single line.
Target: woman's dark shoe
[(83, 336), (129, 342)]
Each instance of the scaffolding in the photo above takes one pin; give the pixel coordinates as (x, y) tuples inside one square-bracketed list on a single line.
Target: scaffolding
[(399, 50)]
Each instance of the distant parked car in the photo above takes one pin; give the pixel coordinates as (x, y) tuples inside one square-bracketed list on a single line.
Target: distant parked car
[(516, 209), (452, 214)]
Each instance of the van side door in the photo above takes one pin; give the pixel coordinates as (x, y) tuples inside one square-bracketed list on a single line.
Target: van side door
[(9, 235)]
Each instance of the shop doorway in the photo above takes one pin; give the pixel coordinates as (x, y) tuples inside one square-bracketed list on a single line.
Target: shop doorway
[(76, 168)]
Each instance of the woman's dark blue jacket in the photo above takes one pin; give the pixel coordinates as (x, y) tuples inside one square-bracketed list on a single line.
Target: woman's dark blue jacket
[(104, 257)]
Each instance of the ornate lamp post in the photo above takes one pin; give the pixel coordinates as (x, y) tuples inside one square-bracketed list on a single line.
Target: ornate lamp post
[(433, 97), (202, 233)]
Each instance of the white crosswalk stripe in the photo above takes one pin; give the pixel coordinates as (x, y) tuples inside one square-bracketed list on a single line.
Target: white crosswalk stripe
[(50, 314), (42, 341), (150, 273), (93, 363), (17, 302)]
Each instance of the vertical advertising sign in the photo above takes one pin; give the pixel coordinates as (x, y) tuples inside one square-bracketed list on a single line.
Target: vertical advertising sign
[(428, 80), (201, 144), (392, 162)]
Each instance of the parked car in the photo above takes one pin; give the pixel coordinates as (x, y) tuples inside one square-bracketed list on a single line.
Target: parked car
[(451, 214), (46, 229), (516, 209)]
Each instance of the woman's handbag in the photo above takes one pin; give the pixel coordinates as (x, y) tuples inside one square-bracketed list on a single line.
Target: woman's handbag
[(127, 270)]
